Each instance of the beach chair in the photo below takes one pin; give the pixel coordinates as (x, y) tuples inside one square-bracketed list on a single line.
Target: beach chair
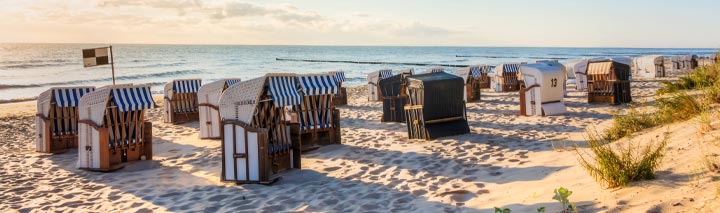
[(112, 127), (608, 82), (209, 114), (543, 94), (181, 100), (394, 93), (473, 77), (56, 120), (373, 78), (260, 138), (340, 98), (506, 78), (436, 107), (649, 66), (318, 117)]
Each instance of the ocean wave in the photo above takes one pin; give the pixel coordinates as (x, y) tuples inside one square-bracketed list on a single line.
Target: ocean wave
[(88, 81), (36, 65), (159, 65)]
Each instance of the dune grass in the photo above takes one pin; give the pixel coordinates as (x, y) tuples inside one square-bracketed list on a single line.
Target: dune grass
[(616, 165), (673, 103)]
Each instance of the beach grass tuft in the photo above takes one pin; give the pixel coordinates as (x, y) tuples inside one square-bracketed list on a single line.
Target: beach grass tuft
[(616, 165)]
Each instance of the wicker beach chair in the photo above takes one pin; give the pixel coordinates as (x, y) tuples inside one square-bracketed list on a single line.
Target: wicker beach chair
[(340, 98), (373, 78), (394, 93), (608, 82), (318, 117), (209, 114), (544, 91), (506, 78), (476, 78), (113, 128), (436, 107), (181, 100), (260, 138), (56, 121), (649, 66)]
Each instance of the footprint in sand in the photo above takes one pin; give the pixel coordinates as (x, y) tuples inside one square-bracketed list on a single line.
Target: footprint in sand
[(459, 196)]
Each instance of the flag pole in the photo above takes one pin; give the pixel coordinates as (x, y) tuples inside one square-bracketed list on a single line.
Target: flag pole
[(112, 65)]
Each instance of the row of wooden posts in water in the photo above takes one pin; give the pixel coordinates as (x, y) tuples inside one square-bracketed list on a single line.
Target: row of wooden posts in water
[(264, 124)]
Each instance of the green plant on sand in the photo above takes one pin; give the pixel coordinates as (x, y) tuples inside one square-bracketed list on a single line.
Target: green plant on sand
[(561, 195), (499, 210), (615, 165)]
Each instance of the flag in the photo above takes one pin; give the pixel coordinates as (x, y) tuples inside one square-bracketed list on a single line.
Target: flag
[(96, 56)]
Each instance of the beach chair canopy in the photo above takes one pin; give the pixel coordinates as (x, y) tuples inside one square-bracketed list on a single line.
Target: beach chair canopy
[(239, 101), (472, 72), (621, 59), (443, 97), (62, 96), (648, 63), (615, 70), (210, 93), (182, 86), (339, 76), (318, 84), (375, 77), (548, 76), (503, 68), (126, 98)]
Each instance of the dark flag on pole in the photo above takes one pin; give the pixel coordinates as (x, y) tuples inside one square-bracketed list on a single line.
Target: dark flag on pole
[(96, 56), (99, 56)]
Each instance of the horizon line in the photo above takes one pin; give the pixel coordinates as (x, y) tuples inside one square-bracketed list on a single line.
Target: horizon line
[(357, 45)]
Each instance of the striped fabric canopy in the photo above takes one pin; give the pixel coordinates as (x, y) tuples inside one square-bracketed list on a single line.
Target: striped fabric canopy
[(69, 97), (231, 82), (511, 67), (186, 86), (475, 72), (133, 98), (385, 74), (339, 76), (284, 90), (318, 84), (599, 68)]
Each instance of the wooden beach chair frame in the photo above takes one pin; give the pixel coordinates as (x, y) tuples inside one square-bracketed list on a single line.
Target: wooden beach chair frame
[(259, 137), (113, 128), (395, 96), (56, 121), (318, 118), (208, 109), (436, 107), (181, 101), (609, 82)]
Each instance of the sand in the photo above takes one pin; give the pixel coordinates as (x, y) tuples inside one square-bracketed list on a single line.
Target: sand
[(506, 161)]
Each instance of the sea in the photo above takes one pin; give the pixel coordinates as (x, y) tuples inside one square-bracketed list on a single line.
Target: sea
[(26, 70)]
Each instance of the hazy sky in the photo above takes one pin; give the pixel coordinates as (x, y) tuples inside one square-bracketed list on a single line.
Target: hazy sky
[(566, 23)]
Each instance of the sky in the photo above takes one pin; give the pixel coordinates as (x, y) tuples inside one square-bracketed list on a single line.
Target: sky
[(506, 23)]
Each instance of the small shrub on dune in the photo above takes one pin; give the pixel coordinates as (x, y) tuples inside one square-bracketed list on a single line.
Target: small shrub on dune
[(617, 165), (678, 107), (627, 124)]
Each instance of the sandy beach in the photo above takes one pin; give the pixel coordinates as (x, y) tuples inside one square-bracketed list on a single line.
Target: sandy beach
[(506, 161)]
